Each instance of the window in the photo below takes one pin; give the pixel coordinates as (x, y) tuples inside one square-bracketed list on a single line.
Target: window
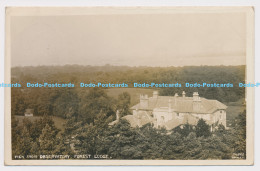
[(162, 118), (221, 111)]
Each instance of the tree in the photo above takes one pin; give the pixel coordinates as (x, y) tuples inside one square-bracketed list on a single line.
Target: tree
[(123, 142), (96, 101), (15, 128), (192, 147), (47, 140), (221, 129), (202, 129), (91, 136), (38, 125), (124, 103), (49, 143), (240, 131), (18, 104), (64, 101), (23, 144), (185, 131)]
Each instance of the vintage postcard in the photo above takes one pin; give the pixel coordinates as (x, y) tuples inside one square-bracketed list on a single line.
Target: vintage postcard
[(129, 86)]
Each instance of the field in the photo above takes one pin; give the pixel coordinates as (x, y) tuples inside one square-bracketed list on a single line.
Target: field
[(233, 110)]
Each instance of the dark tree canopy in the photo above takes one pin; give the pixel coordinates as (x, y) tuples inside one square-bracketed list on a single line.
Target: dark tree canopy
[(202, 129)]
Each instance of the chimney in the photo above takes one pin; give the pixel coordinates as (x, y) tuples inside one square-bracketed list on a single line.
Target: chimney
[(196, 102), (196, 96), (144, 101), (155, 94), (183, 94), (117, 115)]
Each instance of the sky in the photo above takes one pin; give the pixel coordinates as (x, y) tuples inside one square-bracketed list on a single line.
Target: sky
[(129, 39)]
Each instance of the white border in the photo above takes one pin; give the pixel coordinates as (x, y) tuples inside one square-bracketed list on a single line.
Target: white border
[(255, 3)]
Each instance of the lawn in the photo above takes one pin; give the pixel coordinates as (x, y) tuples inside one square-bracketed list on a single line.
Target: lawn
[(233, 110)]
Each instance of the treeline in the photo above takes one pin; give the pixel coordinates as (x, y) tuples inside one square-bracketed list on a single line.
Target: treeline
[(124, 142), (129, 75)]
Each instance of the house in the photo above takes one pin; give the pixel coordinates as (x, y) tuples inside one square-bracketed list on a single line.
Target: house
[(172, 111), (28, 112)]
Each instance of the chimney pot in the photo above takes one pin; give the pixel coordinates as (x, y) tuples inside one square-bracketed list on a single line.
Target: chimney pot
[(155, 94), (183, 94), (196, 96)]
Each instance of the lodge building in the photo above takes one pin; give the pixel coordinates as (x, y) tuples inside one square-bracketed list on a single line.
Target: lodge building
[(172, 111)]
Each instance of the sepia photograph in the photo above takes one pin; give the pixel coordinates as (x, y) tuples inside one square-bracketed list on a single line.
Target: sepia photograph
[(129, 86)]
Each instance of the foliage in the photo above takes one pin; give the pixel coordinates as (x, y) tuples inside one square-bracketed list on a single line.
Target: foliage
[(94, 102), (202, 129), (121, 141), (240, 136), (38, 137), (124, 103), (185, 131), (57, 101)]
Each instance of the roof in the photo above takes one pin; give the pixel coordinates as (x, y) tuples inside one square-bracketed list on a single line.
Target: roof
[(113, 123), (182, 104), (139, 119), (192, 120)]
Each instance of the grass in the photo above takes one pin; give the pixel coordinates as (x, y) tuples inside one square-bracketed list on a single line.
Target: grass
[(234, 109)]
